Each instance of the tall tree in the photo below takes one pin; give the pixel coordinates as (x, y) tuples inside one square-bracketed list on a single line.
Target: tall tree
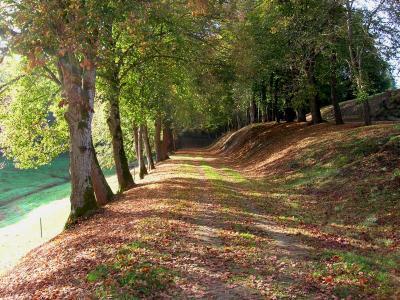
[(147, 147), (356, 53), (67, 34)]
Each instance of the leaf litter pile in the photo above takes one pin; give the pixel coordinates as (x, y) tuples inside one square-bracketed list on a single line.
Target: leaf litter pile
[(204, 226)]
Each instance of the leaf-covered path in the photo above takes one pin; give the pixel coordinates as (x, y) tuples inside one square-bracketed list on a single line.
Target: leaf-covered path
[(194, 228)]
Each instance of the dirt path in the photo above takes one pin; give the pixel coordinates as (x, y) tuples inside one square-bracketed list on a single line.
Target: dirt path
[(194, 228), (207, 233)]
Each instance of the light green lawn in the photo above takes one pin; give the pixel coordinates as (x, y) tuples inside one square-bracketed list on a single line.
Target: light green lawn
[(22, 191), (28, 196), (23, 233)]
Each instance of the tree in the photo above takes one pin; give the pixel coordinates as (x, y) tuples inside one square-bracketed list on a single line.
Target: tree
[(147, 147), (67, 35), (371, 32), (356, 63), (34, 130)]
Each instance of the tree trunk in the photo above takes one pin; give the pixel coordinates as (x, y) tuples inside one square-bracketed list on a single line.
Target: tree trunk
[(252, 111), (239, 125), (334, 99), (264, 108), (275, 107), (367, 113), (314, 100), (157, 139), (101, 188), (147, 147), (139, 154), (135, 141), (166, 142), (270, 114), (263, 116), (124, 175), (356, 62), (79, 91), (174, 138), (301, 115), (290, 114)]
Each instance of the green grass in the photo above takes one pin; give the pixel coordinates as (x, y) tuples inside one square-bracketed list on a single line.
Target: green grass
[(100, 272), (21, 191), (312, 176), (354, 273), (17, 183)]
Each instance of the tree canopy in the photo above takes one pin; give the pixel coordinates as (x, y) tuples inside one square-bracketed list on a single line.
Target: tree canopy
[(98, 77)]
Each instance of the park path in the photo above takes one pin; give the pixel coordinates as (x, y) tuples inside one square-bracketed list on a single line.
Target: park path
[(195, 216), (255, 257)]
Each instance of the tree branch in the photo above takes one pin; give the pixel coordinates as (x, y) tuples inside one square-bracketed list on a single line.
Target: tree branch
[(6, 85)]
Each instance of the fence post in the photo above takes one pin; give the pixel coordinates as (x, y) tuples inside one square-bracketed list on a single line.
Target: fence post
[(41, 229)]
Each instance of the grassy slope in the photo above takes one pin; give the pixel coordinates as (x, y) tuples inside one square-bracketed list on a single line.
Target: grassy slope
[(340, 186), (25, 197), (21, 191), (20, 233)]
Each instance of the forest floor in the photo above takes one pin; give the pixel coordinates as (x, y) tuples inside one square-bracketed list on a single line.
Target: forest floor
[(205, 226)]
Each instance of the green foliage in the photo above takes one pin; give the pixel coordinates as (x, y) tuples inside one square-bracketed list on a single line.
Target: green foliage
[(33, 125), (362, 96), (101, 134), (100, 272)]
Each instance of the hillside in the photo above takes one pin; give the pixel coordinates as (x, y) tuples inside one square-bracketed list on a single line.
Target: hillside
[(21, 191), (270, 211)]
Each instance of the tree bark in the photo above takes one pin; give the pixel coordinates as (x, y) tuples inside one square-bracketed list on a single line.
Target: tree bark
[(102, 190), (301, 115), (147, 147), (252, 111), (166, 142), (334, 99), (135, 141), (124, 175), (275, 106), (238, 122), (264, 107), (157, 139), (290, 114), (314, 99), (79, 91), (367, 113), (139, 154)]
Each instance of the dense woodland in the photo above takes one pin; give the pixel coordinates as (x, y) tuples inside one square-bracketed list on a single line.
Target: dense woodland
[(111, 81)]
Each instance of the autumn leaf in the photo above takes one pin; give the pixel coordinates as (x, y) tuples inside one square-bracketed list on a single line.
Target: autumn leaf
[(328, 280)]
